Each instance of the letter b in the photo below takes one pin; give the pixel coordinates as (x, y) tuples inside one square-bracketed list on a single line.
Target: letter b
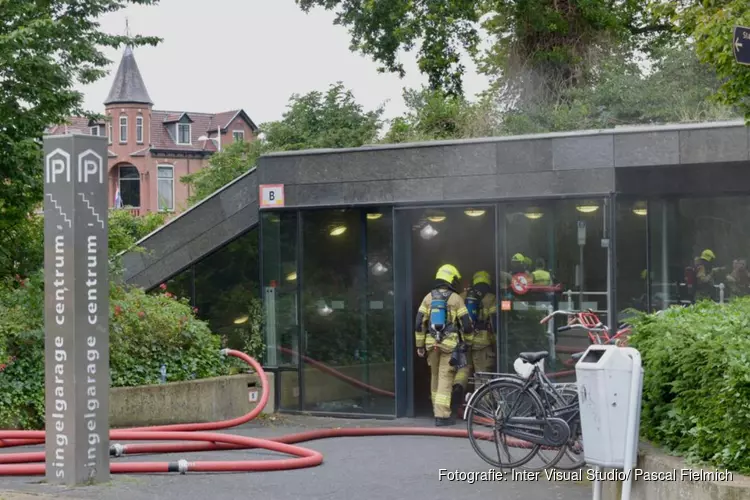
[(271, 195)]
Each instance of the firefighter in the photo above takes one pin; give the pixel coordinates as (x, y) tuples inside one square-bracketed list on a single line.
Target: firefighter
[(482, 306), (705, 275), (441, 325), (540, 275)]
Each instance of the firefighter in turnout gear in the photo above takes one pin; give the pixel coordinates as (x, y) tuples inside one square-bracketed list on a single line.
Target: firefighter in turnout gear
[(482, 306), (442, 327)]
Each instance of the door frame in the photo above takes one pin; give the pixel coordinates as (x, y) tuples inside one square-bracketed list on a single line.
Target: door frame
[(404, 304)]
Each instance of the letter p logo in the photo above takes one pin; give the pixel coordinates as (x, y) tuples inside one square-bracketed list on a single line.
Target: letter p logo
[(57, 163), (90, 164)]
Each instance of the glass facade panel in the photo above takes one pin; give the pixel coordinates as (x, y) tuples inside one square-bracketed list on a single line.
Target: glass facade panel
[(699, 249), (346, 305), (632, 255), (551, 257), (280, 290), (227, 293)]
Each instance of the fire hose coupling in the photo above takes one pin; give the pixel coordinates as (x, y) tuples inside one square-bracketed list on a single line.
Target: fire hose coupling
[(116, 450), (224, 352), (180, 466)]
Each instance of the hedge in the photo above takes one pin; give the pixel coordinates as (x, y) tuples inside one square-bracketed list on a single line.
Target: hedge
[(696, 392), (146, 332)]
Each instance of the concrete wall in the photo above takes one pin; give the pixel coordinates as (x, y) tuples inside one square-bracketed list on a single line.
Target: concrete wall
[(534, 166), (228, 213), (205, 400), (653, 460), (320, 386)]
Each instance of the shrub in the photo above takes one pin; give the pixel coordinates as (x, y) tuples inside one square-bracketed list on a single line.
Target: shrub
[(146, 332), (696, 391)]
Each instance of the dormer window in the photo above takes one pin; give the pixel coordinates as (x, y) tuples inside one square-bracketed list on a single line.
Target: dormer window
[(183, 133), (94, 130)]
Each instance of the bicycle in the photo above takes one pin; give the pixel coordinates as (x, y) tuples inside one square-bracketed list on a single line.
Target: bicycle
[(550, 423), (589, 321)]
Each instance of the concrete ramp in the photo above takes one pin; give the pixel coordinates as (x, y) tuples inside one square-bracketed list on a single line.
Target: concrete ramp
[(205, 227)]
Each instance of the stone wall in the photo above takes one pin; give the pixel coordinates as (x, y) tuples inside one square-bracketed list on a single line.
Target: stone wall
[(673, 485), (205, 400)]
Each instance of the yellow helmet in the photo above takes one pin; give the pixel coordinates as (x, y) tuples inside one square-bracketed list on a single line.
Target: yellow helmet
[(448, 272), (708, 255), (518, 258), (482, 277)]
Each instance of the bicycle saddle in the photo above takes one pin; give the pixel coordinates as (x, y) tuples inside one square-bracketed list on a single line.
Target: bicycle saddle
[(533, 357)]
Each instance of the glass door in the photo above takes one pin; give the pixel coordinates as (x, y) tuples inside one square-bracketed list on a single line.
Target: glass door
[(553, 256)]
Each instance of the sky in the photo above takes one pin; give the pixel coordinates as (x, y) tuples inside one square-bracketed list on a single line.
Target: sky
[(220, 55)]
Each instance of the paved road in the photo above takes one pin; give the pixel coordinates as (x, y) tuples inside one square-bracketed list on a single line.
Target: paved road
[(360, 468)]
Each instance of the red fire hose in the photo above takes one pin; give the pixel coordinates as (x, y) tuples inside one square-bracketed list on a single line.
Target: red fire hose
[(32, 463)]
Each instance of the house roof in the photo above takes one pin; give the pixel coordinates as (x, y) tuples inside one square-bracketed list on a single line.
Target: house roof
[(75, 124), (128, 86)]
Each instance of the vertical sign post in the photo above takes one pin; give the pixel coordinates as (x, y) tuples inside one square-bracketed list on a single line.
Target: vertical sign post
[(76, 309)]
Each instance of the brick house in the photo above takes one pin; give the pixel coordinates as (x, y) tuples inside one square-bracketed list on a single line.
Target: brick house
[(150, 150)]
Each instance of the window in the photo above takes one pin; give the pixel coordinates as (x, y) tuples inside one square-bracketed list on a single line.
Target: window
[(139, 130), (227, 293), (165, 188), (123, 129), (239, 135), (110, 134), (95, 130), (130, 186), (183, 133)]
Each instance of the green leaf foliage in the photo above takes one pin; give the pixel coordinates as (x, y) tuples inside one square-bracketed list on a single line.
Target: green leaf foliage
[(696, 390), (331, 119), (224, 166), (381, 29), (46, 48), (22, 245), (146, 332), (323, 120)]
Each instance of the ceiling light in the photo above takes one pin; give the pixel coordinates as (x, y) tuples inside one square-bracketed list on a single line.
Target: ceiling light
[(474, 213), (374, 216), (436, 218), (241, 319), (337, 230), (291, 276), (428, 232), (587, 209), (641, 209), (379, 269), (533, 215), (324, 309)]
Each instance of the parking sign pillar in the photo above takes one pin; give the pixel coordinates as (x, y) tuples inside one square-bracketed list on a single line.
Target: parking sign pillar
[(76, 309)]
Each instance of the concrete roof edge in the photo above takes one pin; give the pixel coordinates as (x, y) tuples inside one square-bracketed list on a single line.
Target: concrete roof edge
[(630, 129), (204, 200)]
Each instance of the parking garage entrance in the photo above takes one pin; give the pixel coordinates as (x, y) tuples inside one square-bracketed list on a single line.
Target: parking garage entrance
[(543, 256)]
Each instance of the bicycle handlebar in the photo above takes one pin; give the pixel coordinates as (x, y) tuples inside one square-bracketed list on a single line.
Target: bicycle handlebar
[(555, 313)]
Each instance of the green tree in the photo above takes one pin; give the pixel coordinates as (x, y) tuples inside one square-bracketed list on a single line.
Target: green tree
[(679, 88), (543, 43), (315, 120), (434, 115), (711, 25), (46, 48), (323, 120), (224, 167)]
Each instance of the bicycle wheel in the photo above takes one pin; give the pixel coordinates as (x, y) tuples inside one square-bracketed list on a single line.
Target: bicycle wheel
[(572, 454), (494, 403)]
